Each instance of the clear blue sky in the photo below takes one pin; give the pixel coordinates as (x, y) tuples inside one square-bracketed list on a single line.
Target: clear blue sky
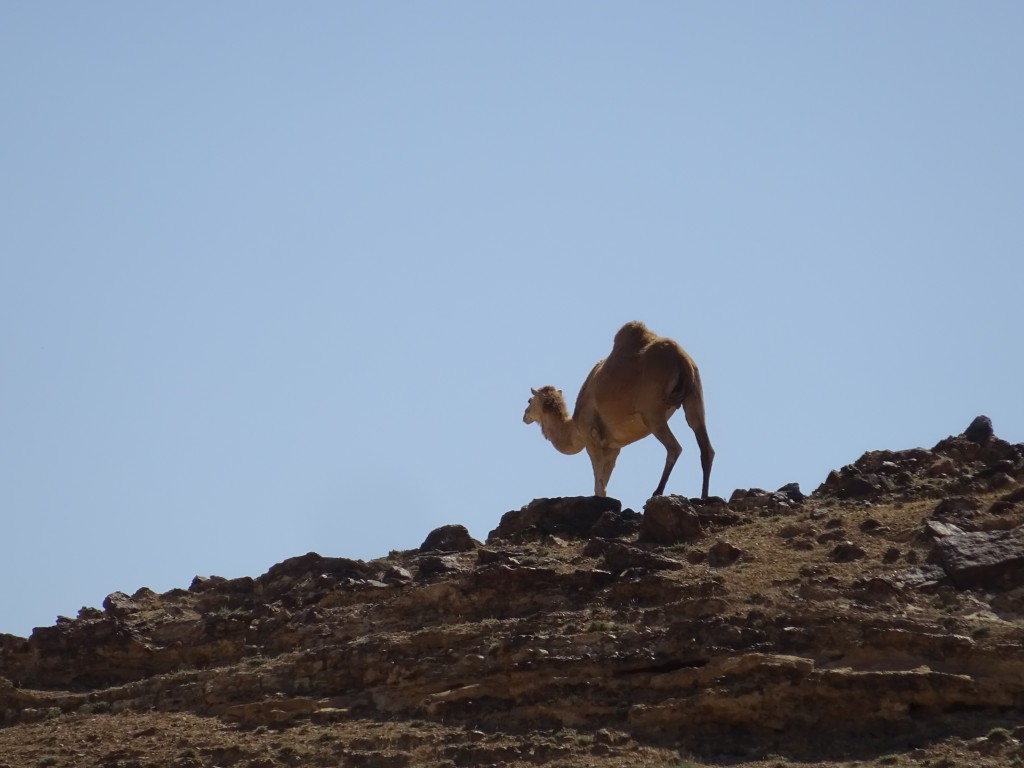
[(279, 277)]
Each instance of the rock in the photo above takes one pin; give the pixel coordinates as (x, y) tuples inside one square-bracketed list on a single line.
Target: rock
[(722, 553), (449, 538), (486, 556), (792, 490), (620, 557), (616, 525), (942, 467), (670, 520), (936, 529), (980, 430), (118, 604), (566, 516), (433, 565), (956, 509), (846, 552), (982, 559), (611, 737), (312, 564), (762, 502), (395, 574), (922, 577), (872, 527)]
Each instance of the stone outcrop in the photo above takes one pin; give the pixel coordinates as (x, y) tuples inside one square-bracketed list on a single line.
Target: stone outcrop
[(962, 464), (574, 516), (983, 559)]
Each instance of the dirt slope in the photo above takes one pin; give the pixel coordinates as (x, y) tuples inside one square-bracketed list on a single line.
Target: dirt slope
[(877, 621)]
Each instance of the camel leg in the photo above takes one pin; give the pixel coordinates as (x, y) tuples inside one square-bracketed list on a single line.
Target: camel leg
[(603, 462), (693, 407), (672, 448)]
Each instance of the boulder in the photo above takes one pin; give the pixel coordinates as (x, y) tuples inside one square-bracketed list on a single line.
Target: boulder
[(722, 553), (566, 516), (616, 525), (620, 557), (983, 559), (846, 552), (793, 492), (980, 430), (670, 520), (434, 565), (449, 538)]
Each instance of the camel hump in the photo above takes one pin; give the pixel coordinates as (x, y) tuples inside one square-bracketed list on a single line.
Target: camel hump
[(632, 337)]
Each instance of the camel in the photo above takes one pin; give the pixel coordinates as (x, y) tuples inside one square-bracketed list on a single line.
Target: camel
[(627, 396)]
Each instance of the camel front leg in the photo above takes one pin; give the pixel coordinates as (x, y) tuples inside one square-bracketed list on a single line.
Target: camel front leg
[(602, 459)]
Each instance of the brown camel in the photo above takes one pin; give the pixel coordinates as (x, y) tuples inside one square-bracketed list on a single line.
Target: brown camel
[(626, 397)]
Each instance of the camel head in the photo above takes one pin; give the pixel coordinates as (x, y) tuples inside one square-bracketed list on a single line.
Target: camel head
[(546, 401)]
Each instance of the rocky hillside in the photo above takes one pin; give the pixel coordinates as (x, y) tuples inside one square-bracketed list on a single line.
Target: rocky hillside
[(876, 621)]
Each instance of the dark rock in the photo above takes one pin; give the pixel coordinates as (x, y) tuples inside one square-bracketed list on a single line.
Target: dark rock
[(449, 538), (892, 554), (876, 589), (873, 527), (980, 430), (203, 583), (486, 556), (595, 578), (620, 557), (312, 564), (792, 490), (118, 604), (433, 565), (395, 574), (877, 473), (714, 511), (722, 553), (764, 503), (956, 509), (616, 525), (846, 552), (566, 516), (982, 559), (861, 487), (936, 529), (921, 577), (670, 520)]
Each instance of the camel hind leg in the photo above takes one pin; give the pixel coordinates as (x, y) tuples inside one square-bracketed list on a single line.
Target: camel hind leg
[(672, 451), (693, 407)]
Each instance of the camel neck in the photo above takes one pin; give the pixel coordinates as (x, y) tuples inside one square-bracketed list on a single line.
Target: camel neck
[(563, 434)]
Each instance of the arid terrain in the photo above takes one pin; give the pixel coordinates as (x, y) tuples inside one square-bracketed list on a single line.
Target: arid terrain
[(877, 620)]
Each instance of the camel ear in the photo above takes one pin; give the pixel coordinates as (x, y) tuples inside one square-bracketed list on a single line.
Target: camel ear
[(534, 391)]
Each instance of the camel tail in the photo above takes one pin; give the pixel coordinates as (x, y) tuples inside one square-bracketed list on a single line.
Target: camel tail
[(687, 383)]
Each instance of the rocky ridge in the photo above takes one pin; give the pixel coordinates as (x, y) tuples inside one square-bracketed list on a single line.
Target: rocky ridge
[(877, 619)]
